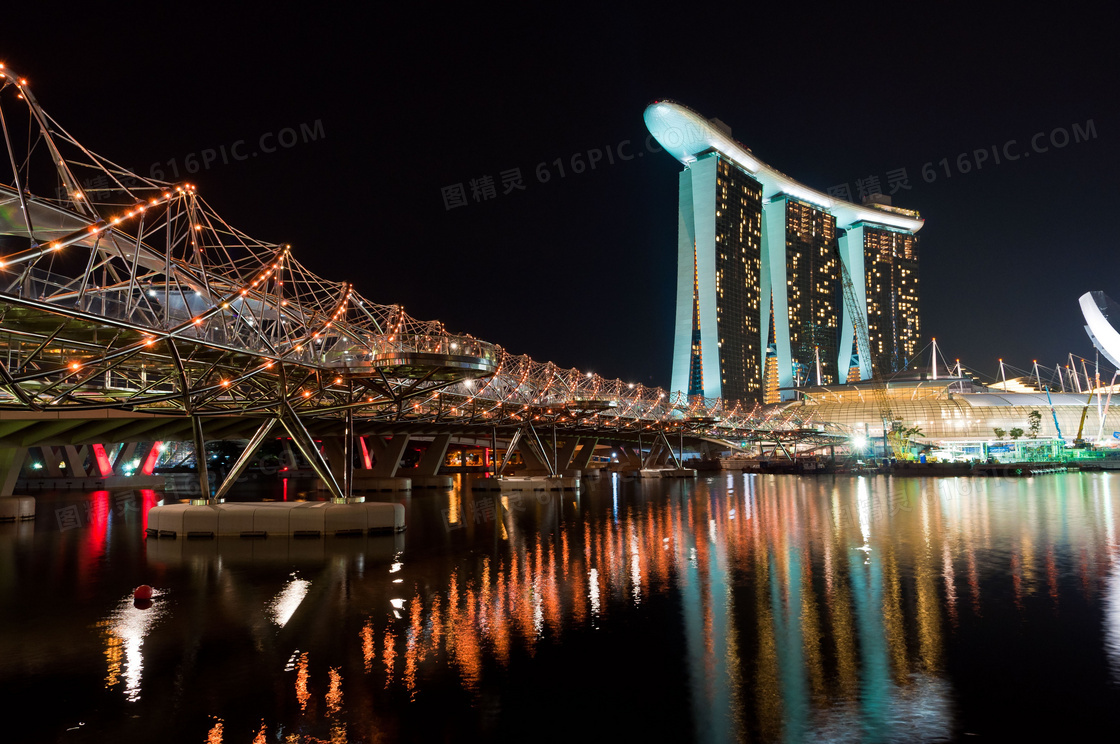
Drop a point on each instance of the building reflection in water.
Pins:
(804, 617)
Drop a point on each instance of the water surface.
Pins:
(738, 607)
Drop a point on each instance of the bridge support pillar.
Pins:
(339, 452)
(664, 456)
(708, 450)
(200, 458)
(433, 456)
(564, 454)
(126, 455)
(633, 460)
(334, 449)
(11, 462)
(245, 458)
(660, 453)
(299, 434)
(582, 459)
(76, 460)
(348, 452)
(50, 462)
(388, 454)
(533, 461)
(131, 452)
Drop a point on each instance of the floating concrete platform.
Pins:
(433, 481)
(365, 482)
(525, 483)
(661, 473)
(265, 519)
(17, 508)
(275, 550)
(87, 483)
(538, 483)
(16, 532)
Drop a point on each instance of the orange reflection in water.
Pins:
(302, 694)
(369, 653)
(808, 600)
(388, 654)
(334, 692)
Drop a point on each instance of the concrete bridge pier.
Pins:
(427, 470)
(51, 462)
(656, 457)
(536, 461)
(132, 452)
(387, 460)
(85, 467)
(631, 460)
(581, 460)
(11, 463)
(564, 456)
(76, 458)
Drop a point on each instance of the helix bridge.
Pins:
(129, 306)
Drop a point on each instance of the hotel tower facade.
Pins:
(760, 304)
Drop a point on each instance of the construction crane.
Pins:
(1054, 414)
(863, 347)
(1078, 441)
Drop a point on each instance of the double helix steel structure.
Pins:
(122, 292)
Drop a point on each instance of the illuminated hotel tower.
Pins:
(893, 320)
(721, 210)
(757, 270)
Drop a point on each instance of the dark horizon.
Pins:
(580, 268)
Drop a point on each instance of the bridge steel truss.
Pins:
(123, 292)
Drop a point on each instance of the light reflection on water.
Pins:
(770, 608)
(123, 633)
(288, 601)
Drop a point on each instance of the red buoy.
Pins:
(142, 592)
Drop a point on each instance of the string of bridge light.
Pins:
(197, 321)
(543, 390)
(100, 226)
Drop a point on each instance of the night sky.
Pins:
(581, 269)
